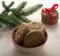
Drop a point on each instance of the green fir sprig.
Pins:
(31, 10)
(18, 15)
(7, 8)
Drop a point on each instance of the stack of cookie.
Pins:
(30, 35)
(46, 17)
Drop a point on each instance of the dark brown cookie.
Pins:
(33, 38)
(20, 33)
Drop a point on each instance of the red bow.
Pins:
(46, 10)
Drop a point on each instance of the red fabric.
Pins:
(46, 10)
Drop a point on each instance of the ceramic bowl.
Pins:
(25, 49)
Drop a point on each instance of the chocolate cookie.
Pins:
(33, 38)
(20, 33)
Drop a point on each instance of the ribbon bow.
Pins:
(46, 10)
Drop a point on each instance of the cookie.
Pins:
(36, 26)
(20, 33)
(46, 17)
(33, 38)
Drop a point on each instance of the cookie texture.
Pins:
(20, 33)
(36, 26)
(30, 34)
(46, 17)
(33, 38)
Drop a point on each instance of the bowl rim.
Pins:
(12, 38)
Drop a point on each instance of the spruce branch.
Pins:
(17, 11)
(21, 6)
(25, 19)
(18, 15)
(22, 18)
(7, 8)
(4, 5)
(15, 19)
(31, 10)
(10, 20)
(7, 21)
(11, 4)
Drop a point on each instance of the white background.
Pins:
(52, 47)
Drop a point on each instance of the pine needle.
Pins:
(31, 10)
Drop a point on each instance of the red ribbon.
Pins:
(46, 10)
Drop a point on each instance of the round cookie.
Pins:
(20, 33)
(36, 26)
(33, 38)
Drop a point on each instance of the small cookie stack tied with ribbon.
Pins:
(50, 16)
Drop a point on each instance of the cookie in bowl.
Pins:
(33, 38)
(29, 37)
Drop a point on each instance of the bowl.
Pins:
(26, 49)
